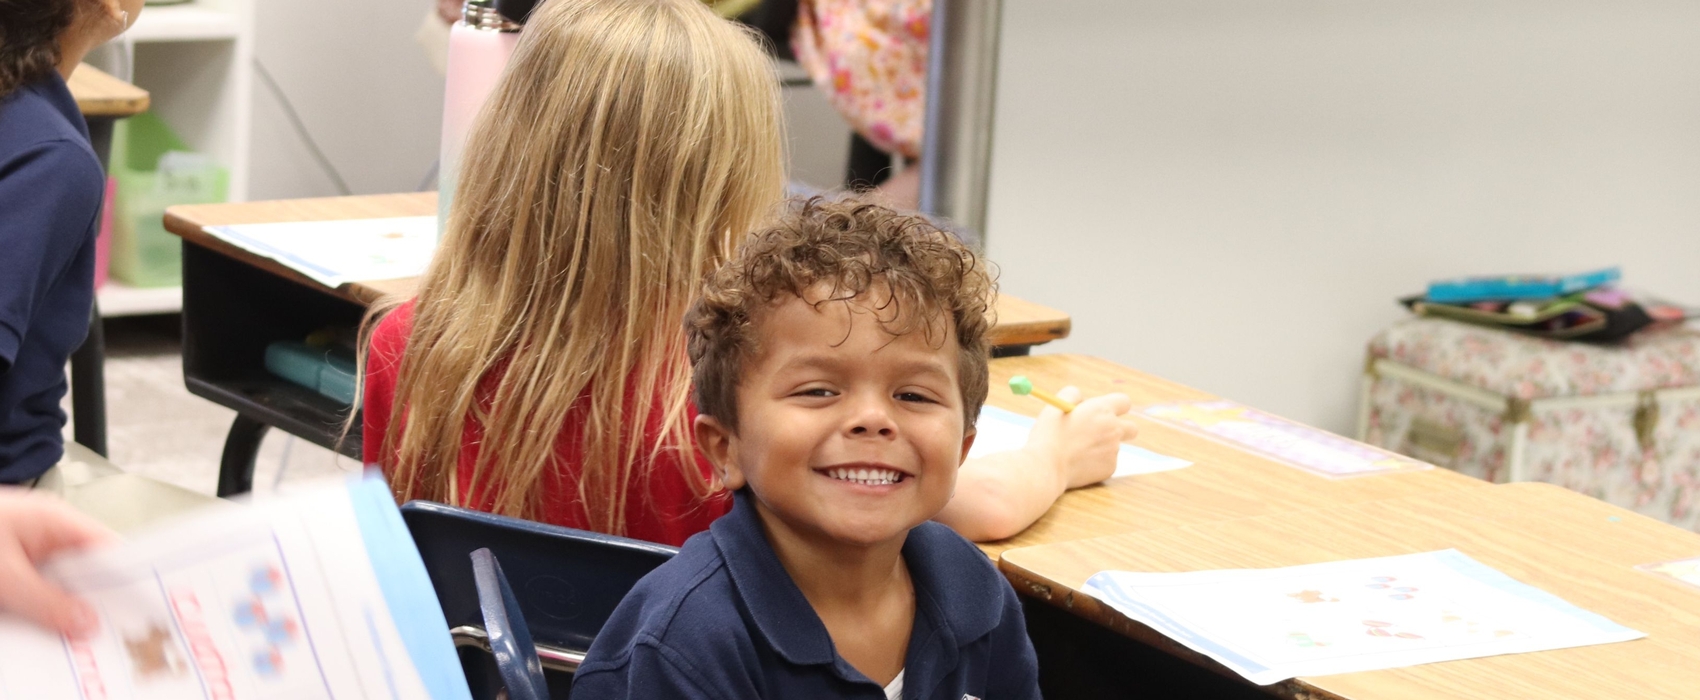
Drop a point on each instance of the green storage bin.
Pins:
(155, 170)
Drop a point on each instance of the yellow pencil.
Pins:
(1023, 386)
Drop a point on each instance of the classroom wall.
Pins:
(1230, 193)
(366, 92)
(362, 87)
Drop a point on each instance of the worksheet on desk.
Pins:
(1684, 570)
(1269, 625)
(998, 430)
(1316, 451)
(347, 250)
(320, 595)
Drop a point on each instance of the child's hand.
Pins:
(1083, 443)
(33, 528)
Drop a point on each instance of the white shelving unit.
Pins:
(198, 21)
(119, 299)
(196, 61)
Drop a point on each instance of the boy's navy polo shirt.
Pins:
(51, 186)
(723, 620)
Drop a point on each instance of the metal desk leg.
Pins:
(241, 447)
(88, 388)
(88, 363)
(100, 138)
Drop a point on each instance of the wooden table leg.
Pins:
(241, 448)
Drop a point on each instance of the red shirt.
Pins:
(660, 506)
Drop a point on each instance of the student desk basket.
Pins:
(508, 585)
(1619, 422)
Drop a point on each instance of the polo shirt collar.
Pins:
(775, 602)
(953, 606)
(52, 88)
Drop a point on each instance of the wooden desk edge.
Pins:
(193, 233)
(1033, 323)
(1031, 585)
(1031, 332)
(115, 97)
(1064, 596)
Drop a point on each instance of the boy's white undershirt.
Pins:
(894, 689)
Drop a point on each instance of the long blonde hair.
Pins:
(626, 147)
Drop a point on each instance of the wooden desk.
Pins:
(1223, 483)
(98, 94)
(1019, 323)
(103, 100)
(1570, 545)
(235, 303)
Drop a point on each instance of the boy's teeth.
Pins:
(867, 477)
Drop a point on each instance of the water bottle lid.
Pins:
(515, 10)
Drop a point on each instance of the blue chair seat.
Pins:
(566, 583)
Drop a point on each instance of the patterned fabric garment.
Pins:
(870, 58)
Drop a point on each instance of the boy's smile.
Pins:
(846, 431)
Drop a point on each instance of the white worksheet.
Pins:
(1316, 451)
(1348, 616)
(998, 430)
(316, 595)
(346, 250)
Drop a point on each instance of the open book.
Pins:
(316, 595)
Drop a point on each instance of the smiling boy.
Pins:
(839, 362)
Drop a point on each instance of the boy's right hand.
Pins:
(33, 528)
(1083, 444)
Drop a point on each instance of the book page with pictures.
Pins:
(283, 600)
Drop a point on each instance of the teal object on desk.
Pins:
(328, 371)
(1516, 287)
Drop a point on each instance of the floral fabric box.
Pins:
(1617, 422)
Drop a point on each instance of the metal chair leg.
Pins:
(241, 448)
(88, 388)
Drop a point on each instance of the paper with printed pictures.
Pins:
(316, 596)
(1316, 451)
(1269, 625)
(1684, 570)
(346, 250)
(998, 430)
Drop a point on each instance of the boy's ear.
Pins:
(967, 444)
(715, 441)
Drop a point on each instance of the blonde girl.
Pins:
(541, 370)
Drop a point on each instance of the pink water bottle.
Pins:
(479, 47)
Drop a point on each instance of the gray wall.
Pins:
(1230, 193)
(367, 94)
(362, 87)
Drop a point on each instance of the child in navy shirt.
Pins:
(839, 363)
(51, 186)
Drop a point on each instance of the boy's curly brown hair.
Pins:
(856, 247)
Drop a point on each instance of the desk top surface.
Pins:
(101, 95)
(1224, 482)
(1578, 548)
(1019, 322)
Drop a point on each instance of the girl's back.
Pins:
(541, 370)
